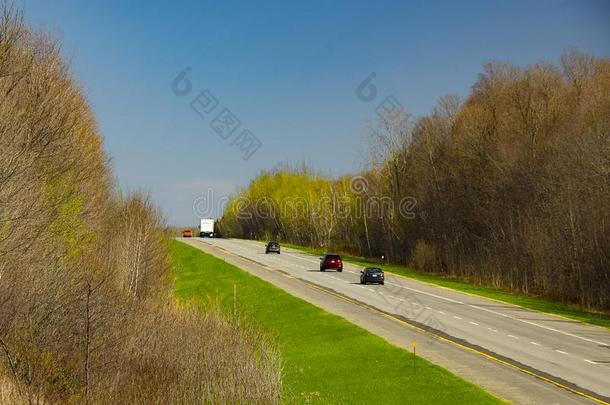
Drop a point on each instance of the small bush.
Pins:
(424, 256)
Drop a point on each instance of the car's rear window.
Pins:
(333, 257)
(374, 270)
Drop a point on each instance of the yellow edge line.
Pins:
(489, 356)
(471, 349)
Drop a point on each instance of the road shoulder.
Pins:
(502, 380)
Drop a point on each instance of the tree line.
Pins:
(509, 187)
(86, 308)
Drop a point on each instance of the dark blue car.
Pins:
(372, 275)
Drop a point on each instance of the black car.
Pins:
(272, 246)
(371, 275)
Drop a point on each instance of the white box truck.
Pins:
(206, 228)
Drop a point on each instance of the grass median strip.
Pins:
(326, 359)
(529, 302)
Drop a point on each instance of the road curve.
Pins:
(542, 358)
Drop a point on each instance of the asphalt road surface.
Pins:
(521, 355)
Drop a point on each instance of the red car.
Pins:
(331, 261)
(187, 233)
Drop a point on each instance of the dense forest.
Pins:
(86, 308)
(509, 187)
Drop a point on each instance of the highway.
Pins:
(521, 355)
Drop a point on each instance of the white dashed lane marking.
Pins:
(422, 291)
(400, 285)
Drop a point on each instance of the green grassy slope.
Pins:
(326, 358)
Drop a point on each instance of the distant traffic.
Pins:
(332, 261)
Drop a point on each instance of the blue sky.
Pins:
(288, 72)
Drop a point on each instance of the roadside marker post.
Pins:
(436, 335)
(414, 344)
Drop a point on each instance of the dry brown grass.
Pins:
(9, 393)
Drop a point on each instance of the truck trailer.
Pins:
(206, 228)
